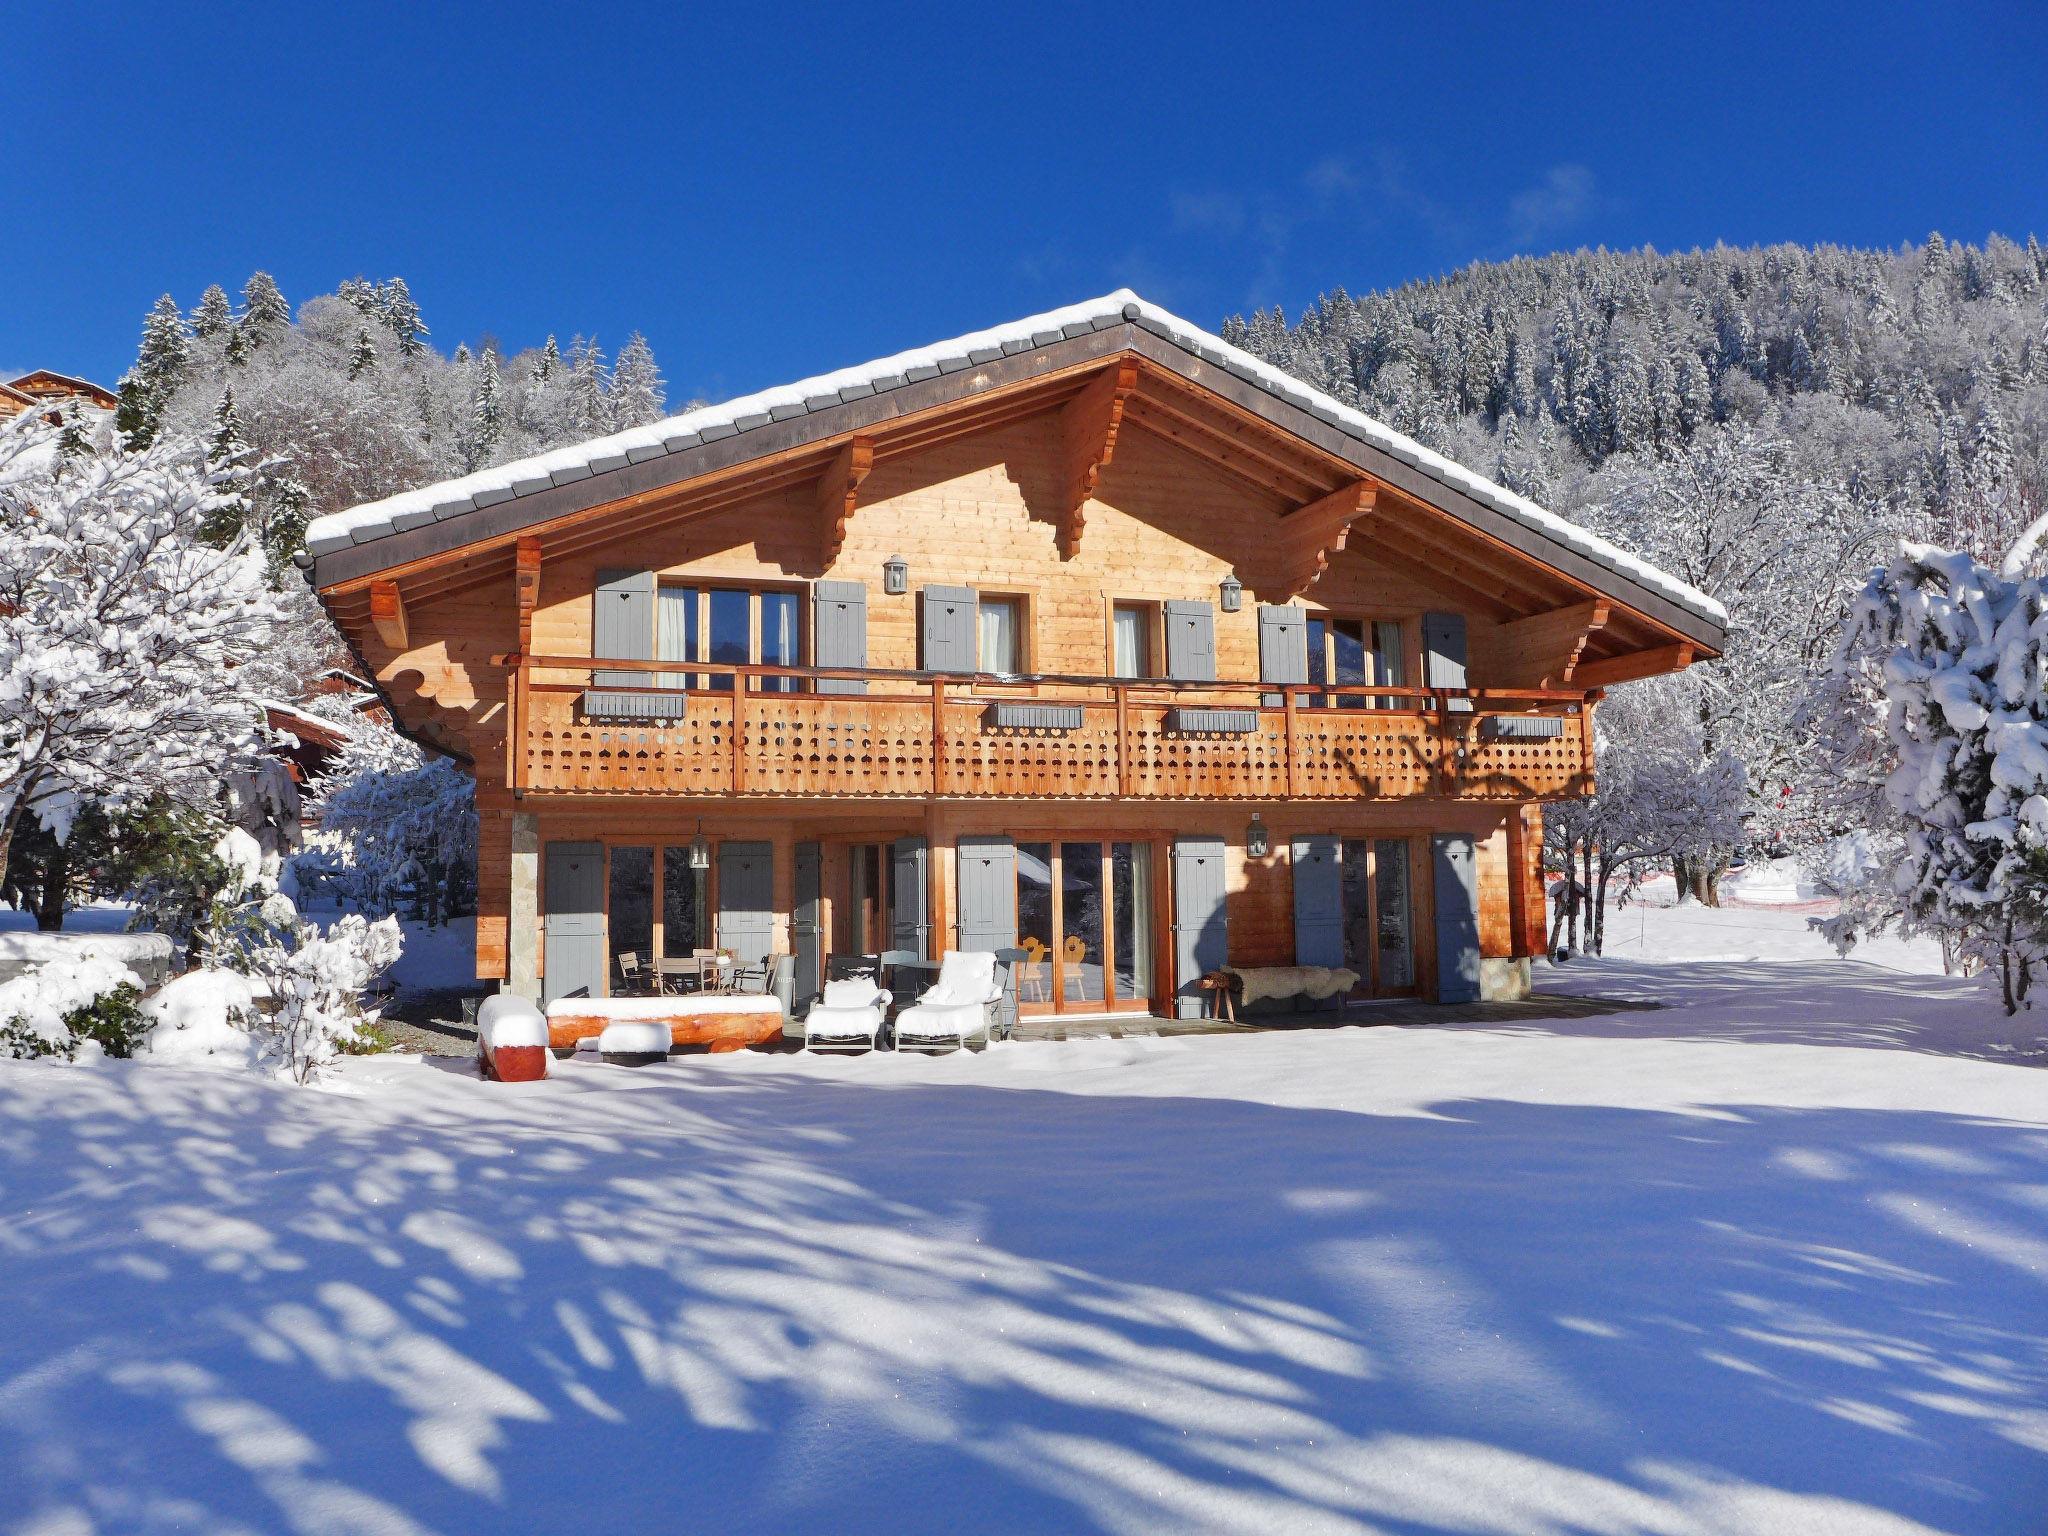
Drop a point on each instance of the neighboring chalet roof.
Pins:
(492, 503)
(14, 401)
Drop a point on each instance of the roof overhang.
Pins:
(428, 536)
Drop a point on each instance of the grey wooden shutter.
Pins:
(985, 871)
(1457, 918)
(910, 910)
(575, 958)
(805, 939)
(1190, 641)
(1443, 654)
(948, 630)
(1318, 901)
(1283, 648)
(622, 627)
(1201, 934)
(746, 900)
(839, 632)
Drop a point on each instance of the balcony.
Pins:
(767, 731)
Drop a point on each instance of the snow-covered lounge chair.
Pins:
(960, 1006)
(848, 1016)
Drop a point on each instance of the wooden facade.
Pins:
(1180, 625)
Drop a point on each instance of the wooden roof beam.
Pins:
(839, 494)
(526, 586)
(1088, 430)
(1654, 662)
(1228, 435)
(387, 614)
(1545, 647)
(1439, 564)
(1311, 534)
(1288, 486)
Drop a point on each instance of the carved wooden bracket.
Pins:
(1544, 649)
(387, 613)
(839, 493)
(1089, 424)
(526, 588)
(1626, 669)
(1310, 535)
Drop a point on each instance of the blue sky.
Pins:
(769, 192)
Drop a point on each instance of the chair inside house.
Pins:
(635, 979)
(960, 1006)
(1034, 983)
(848, 1016)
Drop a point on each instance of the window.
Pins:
(1001, 635)
(737, 626)
(1355, 651)
(1130, 640)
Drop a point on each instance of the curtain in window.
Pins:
(998, 636)
(778, 638)
(1387, 665)
(1128, 630)
(675, 633)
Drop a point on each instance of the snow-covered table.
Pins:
(722, 1023)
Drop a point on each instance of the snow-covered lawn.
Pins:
(1771, 1259)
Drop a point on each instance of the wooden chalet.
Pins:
(46, 388)
(1089, 634)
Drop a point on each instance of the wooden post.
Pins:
(938, 735)
(739, 726)
(1287, 705)
(522, 716)
(1123, 741)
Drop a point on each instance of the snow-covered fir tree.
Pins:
(147, 389)
(212, 315)
(588, 398)
(264, 310)
(637, 396)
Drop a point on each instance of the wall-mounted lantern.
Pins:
(700, 849)
(1255, 840)
(1233, 593)
(895, 576)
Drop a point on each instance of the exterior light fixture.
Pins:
(1255, 840)
(895, 576)
(1233, 593)
(700, 849)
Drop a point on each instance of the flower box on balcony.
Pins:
(1034, 717)
(1212, 722)
(1520, 728)
(609, 704)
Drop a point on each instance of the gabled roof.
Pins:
(352, 544)
(45, 383)
(13, 401)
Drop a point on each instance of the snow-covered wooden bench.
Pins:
(720, 1023)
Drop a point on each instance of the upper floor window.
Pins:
(1130, 640)
(1356, 651)
(1000, 640)
(737, 626)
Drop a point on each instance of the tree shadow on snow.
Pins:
(705, 1300)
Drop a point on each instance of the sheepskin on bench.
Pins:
(1280, 982)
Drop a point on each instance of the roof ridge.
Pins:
(595, 456)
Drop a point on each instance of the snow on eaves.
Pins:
(579, 461)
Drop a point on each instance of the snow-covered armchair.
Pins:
(960, 1006)
(848, 1016)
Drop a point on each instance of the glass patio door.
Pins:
(1085, 921)
(1379, 915)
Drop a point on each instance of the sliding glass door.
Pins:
(1379, 915)
(1085, 921)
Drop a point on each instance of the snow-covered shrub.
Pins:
(204, 1018)
(73, 1008)
(314, 983)
(406, 827)
(1958, 654)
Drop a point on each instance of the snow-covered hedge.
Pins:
(77, 1009)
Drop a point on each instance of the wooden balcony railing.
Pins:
(914, 735)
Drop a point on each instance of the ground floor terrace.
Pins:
(1108, 910)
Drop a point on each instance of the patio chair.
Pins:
(960, 1006)
(636, 980)
(848, 1017)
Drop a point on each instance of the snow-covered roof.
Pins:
(580, 461)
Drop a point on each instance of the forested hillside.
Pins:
(1767, 423)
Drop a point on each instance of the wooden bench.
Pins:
(719, 1023)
